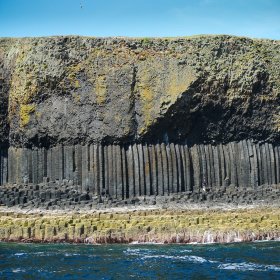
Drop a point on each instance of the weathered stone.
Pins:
(84, 119)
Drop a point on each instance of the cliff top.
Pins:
(145, 37)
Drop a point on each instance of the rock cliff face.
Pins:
(78, 90)
(131, 117)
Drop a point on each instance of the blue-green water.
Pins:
(65, 261)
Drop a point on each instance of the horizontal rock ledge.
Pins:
(155, 225)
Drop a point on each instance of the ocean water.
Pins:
(259, 260)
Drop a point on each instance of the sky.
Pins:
(140, 18)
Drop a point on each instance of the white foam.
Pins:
(20, 254)
(17, 270)
(196, 259)
(262, 241)
(186, 251)
(193, 259)
(70, 255)
(148, 254)
(248, 267)
(45, 254)
(137, 252)
(145, 243)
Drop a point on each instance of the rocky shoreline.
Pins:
(60, 212)
(64, 196)
(193, 223)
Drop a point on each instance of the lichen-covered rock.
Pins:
(150, 225)
(82, 90)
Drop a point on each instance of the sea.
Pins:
(255, 260)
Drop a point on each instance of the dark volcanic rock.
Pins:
(78, 90)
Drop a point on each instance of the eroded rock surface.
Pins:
(149, 225)
(80, 90)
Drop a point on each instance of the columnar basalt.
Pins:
(150, 225)
(90, 175)
(126, 118)
(141, 169)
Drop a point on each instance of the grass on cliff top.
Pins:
(196, 36)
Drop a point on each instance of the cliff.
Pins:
(151, 126)
(79, 90)
(126, 117)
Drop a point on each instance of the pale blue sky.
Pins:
(140, 18)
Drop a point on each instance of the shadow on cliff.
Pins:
(201, 116)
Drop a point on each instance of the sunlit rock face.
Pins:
(78, 90)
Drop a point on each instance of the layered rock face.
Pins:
(132, 117)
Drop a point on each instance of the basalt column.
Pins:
(144, 169)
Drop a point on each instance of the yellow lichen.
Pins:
(147, 99)
(100, 89)
(72, 74)
(277, 122)
(177, 83)
(159, 86)
(77, 97)
(77, 84)
(24, 87)
(38, 115)
(25, 111)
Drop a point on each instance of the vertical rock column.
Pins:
(196, 164)
(3, 166)
(253, 164)
(154, 172)
(137, 178)
(173, 162)
(35, 165)
(90, 168)
(222, 164)
(277, 164)
(216, 166)
(189, 179)
(119, 182)
(159, 170)
(124, 173)
(180, 172)
(78, 165)
(272, 164)
(130, 172)
(95, 170)
(85, 167)
(11, 166)
(41, 157)
(147, 170)
(69, 162)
